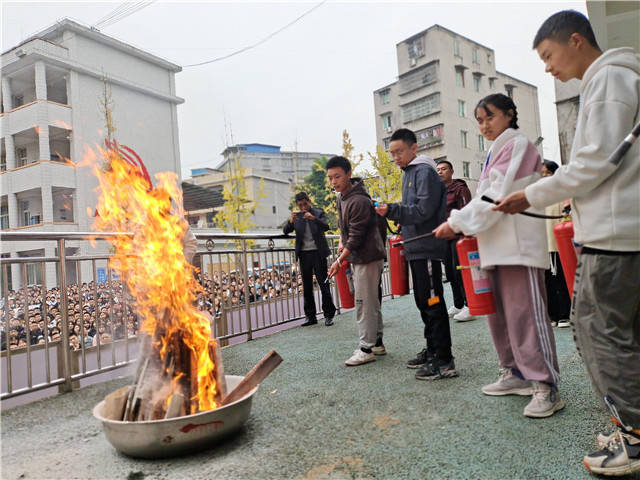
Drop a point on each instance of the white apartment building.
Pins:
(293, 166)
(52, 84)
(615, 24)
(441, 77)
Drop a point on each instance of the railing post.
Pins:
(64, 341)
(247, 305)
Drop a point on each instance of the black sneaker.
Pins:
(621, 456)
(435, 371)
(423, 358)
(309, 322)
(328, 321)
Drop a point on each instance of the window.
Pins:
(476, 83)
(465, 170)
(421, 108)
(266, 164)
(430, 137)
(456, 47)
(34, 220)
(34, 274)
(26, 214)
(273, 209)
(509, 90)
(21, 157)
(461, 108)
(492, 82)
(481, 146)
(460, 76)
(386, 142)
(463, 139)
(386, 122)
(3, 162)
(474, 55)
(385, 96)
(17, 100)
(419, 77)
(4, 217)
(489, 58)
(415, 48)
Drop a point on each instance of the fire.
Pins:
(154, 267)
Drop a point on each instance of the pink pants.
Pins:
(520, 327)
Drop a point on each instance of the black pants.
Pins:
(453, 274)
(312, 262)
(558, 300)
(435, 317)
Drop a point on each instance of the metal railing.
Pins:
(260, 270)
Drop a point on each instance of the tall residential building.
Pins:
(293, 166)
(615, 24)
(52, 87)
(441, 77)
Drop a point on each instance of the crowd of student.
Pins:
(104, 312)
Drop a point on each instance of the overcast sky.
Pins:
(312, 80)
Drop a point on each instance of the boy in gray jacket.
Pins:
(423, 208)
(605, 201)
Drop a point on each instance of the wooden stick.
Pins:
(115, 403)
(221, 382)
(176, 405)
(258, 373)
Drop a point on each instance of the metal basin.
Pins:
(177, 436)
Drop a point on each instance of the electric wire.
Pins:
(121, 12)
(260, 42)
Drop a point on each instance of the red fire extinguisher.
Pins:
(476, 281)
(344, 278)
(398, 267)
(563, 232)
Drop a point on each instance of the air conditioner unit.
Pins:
(412, 62)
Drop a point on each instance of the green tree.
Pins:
(235, 215)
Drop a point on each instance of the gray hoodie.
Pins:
(605, 199)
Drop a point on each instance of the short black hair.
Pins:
(550, 165)
(339, 161)
(404, 134)
(560, 26)
(301, 196)
(447, 162)
(501, 102)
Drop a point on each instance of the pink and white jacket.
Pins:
(514, 163)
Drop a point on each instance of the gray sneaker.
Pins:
(545, 401)
(508, 384)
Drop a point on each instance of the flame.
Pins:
(153, 264)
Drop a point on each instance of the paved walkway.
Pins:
(314, 418)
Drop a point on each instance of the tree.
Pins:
(106, 108)
(235, 215)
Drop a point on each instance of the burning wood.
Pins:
(180, 370)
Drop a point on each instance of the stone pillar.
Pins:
(7, 100)
(10, 150)
(12, 204)
(47, 203)
(41, 81)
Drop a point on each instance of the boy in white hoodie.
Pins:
(605, 200)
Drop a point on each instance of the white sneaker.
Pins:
(564, 323)
(359, 358)
(545, 401)
(379, 350)
(453, 310)
(464, 315)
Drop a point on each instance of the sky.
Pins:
(307, 83)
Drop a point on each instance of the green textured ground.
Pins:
(314, 418)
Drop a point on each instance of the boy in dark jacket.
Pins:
(422, 209)
(458, 195)
(360, 244)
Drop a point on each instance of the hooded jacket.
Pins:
(605, 199)
(358, 225)
(514, 163)
(423, 208)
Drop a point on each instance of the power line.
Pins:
(122, 11)
(260, 42)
